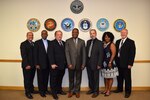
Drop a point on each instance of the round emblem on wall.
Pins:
(33, 25)
(67, 24)
(76, 6)
(50, 24)
(102, 24)
(119, 25)
(85, 25)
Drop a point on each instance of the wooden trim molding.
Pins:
(66, 88)
(18, 61)
(10, 60)
(142, 61)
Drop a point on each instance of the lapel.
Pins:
(124, 44)
(63, 43)
(88, 44)
(28, 43)
(93, 47)
(42, 44)
(118, 43)
(78, 44)
(94, 44)
(57, 43)
(72, 40)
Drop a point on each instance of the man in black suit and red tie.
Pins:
(125, 55)
(42, 63)
(27, 49)
(57, 58)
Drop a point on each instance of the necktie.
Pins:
(75, 41)
(120, 47)
(45, 45)
(121, 43)
(60, 43)
(31, 43)
(90, 49)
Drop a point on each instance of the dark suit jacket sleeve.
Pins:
(84, 54)
(132, 53)
(51, 55)
(24, 55)
(36, 50)
(67, 53)
(100, 56)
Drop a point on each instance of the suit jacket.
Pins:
(40, 54)
(96, 54)
(56, 54)
(127, 53)
(27, 54)
(75, 56)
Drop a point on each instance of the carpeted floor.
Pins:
(19, 95)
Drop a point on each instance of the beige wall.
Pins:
(14, 15)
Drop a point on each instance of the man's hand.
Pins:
(98, 67)
(54, 66)
(28, 67)
(82, 67)
(37, 67)
(70, 66)
(129, 66)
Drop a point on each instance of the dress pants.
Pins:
(124, 74)
(56, 77)
(93, 76)
(43, 76)
(75, 76)
(28, 75)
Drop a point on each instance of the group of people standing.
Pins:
(53, 57)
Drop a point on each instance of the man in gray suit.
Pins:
(76, 58)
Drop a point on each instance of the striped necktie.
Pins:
(120, 47)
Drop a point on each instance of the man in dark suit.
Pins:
(27, 48)
(57, 58)
(76, 58)
(94, 51)
(124, 59)
(42, 63)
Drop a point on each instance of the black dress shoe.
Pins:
(127, 95)
(89, 92)
(34, 92)
(47, 92)
(29, 96)
(117, 91)
(55, 96)
(62, 93)
(95, 95)
(42, 95)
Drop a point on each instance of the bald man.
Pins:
(42, 63)
(76, 58)
(27, 48)
(124, 59)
